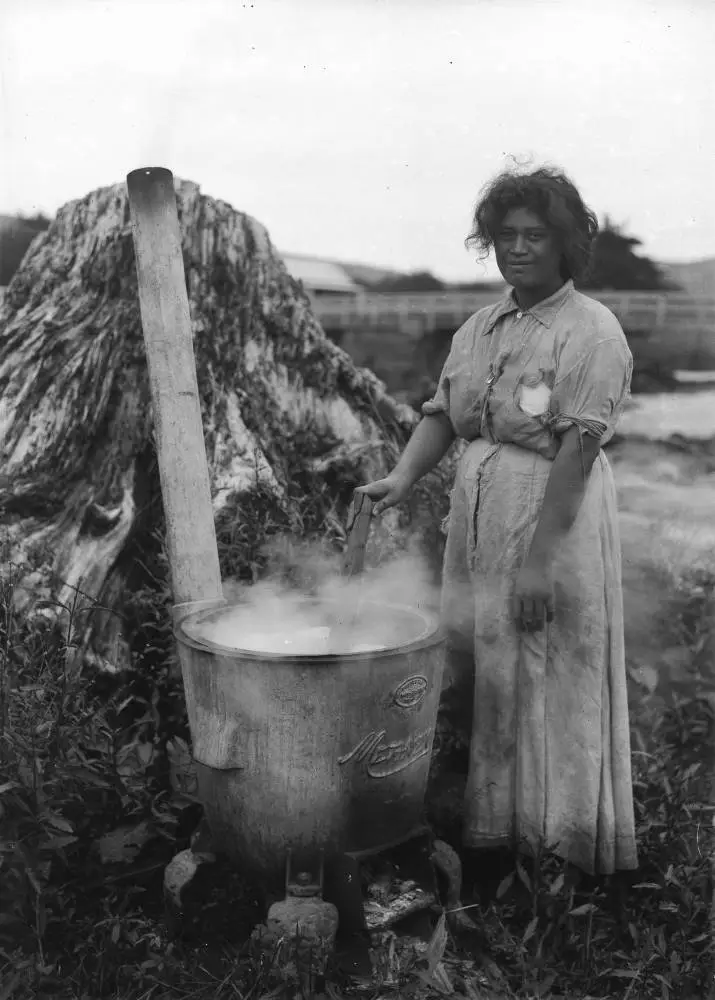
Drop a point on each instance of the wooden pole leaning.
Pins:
(181, 451)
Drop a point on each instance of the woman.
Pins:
(532, 575)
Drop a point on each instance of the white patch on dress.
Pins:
(534, 400)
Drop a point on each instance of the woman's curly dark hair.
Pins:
(548, 193)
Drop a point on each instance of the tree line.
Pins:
(16, 235)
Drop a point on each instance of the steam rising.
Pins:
(307, 607)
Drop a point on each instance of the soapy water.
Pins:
(236, 629)
(384, 608)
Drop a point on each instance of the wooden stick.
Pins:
(181, 451)
(358, 527)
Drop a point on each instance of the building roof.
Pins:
(369, 274)
(318, 274)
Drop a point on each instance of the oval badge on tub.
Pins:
(411, 692)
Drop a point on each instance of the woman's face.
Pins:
(528, 256)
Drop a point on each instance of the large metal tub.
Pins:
(309, 752)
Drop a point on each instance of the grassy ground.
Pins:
(93, 805)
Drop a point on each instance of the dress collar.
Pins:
(545, 311)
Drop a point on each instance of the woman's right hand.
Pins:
(386, 492)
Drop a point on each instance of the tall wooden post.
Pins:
(183, 469)
(164, 303)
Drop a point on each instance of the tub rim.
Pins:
(433, 638)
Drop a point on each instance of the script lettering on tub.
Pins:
(382, 758)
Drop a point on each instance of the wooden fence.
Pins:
(417, 314)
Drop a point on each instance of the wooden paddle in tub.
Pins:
(358, 530)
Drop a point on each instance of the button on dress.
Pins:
(550, 743)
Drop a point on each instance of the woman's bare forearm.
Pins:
(564, 494)
(426, 448)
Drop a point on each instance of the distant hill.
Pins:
(696, 277)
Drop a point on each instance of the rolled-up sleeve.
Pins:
(441, 402)
(591, 392)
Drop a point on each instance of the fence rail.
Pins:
(428, 312)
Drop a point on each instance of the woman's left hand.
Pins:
(533, 600)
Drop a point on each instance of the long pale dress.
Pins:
(550, 746)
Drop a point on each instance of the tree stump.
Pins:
(291, 425)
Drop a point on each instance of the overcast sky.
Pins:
(364, 129)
